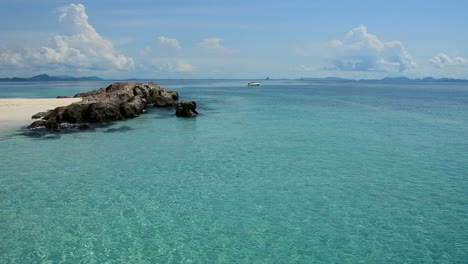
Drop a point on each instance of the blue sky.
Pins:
(234, 39)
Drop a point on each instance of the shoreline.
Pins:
(19, 111)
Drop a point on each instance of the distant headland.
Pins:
(48, 78)
(386, 79)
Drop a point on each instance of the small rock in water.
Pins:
(186, 109)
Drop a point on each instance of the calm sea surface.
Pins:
(288, 172)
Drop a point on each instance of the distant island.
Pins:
(386, 79)
(48, 78)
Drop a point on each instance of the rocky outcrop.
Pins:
(118, 101)
(186, 109)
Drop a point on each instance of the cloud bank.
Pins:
(81, 48)
(362, 51)
(442, 60)
(9, 57)
(165, 57)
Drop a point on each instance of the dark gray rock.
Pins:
(186, 109)
(103, 112)
(74, 113)
(164, 98)
(118, 101)
(40, 115)
(133, 107)
(85, 127)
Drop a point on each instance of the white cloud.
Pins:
(9, 57)
(442, 60)
(168, 47)
(214, 45)
(167, 57)
(84, 47)
(172, 66)
(169, 42)
(159, 61)
(81, 48)
(184, 67)
(362, 51)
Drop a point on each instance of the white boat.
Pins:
(253, 84)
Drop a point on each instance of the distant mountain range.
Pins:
(386, 79)
(425, 79)
(47, 78)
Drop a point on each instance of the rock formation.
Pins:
(119, 101)
(186, 109)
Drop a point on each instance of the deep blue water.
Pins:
(288, 172)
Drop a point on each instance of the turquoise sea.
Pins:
(288, 172)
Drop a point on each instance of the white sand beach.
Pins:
(21, 110)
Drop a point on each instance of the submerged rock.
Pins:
(118, 101)
(85, 127)
(51, 136)
(119, 129)
(33, 133)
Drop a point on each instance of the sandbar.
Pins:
(21, 110)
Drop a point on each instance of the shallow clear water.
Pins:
(288, 172)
